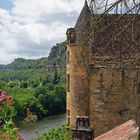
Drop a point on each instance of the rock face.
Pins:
(57, 57)
(55, 52)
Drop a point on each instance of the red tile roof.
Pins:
(126, 131)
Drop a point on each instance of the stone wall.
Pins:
(113, 99)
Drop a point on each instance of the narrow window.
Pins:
(68, 82)
(138, 87)
(68, 120)
(68, 112)
(68, 57)
(68, 117)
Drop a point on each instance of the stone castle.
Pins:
(103, 75)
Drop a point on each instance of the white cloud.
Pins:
(33, 26)
(40, 7)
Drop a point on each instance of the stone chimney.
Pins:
(82, 131)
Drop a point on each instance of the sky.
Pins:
(29, 28)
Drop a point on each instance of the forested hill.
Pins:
(55, 60)
(38, 85)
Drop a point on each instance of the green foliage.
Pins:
(61, 133)
(52, 98)
(42, 101)
(56, 78)
(7, 112)
(33, 86)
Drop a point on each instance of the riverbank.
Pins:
(31, 131)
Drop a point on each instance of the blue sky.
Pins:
(6, 4)
(29, 28)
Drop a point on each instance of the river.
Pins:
(31, 131)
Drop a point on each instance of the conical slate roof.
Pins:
(83, 24)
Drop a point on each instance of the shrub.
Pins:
(8, 131)
(61, 133)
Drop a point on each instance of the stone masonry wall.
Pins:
(113, 99)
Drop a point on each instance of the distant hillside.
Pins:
(2, 66)
(55, 60)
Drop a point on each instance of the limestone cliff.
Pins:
(57, 57)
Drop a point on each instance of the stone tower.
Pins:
(77, 74)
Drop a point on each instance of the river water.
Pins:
(31, 131)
